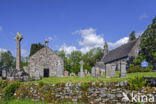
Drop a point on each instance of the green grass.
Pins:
(17, 101)
(28, 101)
(76, 79)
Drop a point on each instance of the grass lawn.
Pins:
(27, 101)
(76, 79)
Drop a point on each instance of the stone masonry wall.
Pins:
(44, 59)
(87, 93)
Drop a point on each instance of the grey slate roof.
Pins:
(119, 52)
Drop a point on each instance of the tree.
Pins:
(132, 36)
(7, 61)
(35, 47)
(148, 43)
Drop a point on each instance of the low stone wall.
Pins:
(85, 93)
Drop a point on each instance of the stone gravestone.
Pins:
(72, 74)
(81, 74)
(86, 72)
(4, 74)
(113, 69)
(66, 73)
(93, 71)
(37, 75)
(108, 71)
(59, 72)
(97, 73)
(123, 70)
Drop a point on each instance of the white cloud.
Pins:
(2, 50)
(143, 16)
(90, 39)
(1, 28)
(67, 49)
(49, 38)
(24, 52)
(118, 43)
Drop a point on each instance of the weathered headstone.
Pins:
(81, 74)
(72, 74)
(108, 71)
(93, 71)
(113, 69)
(37, 75)
(123, 70)
(86, 72)
(4, 74)
(97, 73)
(66, 73)
(59, 72)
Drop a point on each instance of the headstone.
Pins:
(123, 70)
(37, 75)
(113, 69)
(81, 74)
(93, 71)
(4, 74)
(59, 72)
(66, 73)
(86, 72)
(72, 74)
(108, 71)
(97, 73)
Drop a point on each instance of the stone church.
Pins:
(45, 63)
(116, 57)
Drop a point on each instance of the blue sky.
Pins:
(72, 24)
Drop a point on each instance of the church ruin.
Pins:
(45, 63)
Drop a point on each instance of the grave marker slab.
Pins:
(123, 70)
(108, 71)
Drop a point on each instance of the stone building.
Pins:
(116, 57)
(45, 63)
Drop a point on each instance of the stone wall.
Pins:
(84, 93)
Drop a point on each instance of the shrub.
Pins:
(136, 83)
(3, 84)
(138, 68)
(84, 85)
(10, 90)
(41, 84)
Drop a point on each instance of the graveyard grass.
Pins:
(87, 79)
(28, 101)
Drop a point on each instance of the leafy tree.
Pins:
(132, 36)
(7, 61)
(75, 58)
(35, 47)
(148, 43)
(24, 62)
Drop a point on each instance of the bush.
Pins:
(3, 84)
(41, 84)
(138, 68)
(10, 90)
(84, 85)
(136, 83)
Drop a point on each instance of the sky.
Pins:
(71, 25)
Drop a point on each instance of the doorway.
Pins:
(46, 72)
